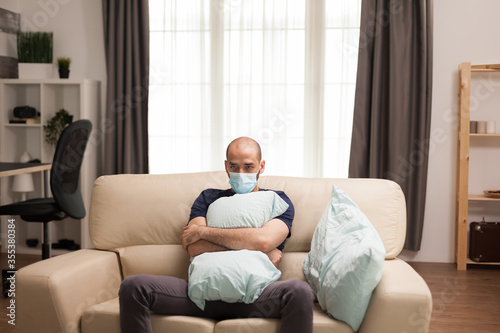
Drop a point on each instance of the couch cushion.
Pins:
(291, 266)
(128, 210)
(105, 317)
(170, 260)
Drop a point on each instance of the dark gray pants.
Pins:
(291, 300)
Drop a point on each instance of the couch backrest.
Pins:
(131, 210)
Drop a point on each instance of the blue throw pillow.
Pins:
(346, 259)
(235, 276)
(250, 210)
(230, 276)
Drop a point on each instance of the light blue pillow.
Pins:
(250, 210)
(230, 276)
(346, 259)
(235, 276)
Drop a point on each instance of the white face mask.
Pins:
(243, 182)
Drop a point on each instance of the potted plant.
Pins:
(34, 53)
(55, 125)
(63, 64)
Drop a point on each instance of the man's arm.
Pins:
(201, 246)
(264, 239)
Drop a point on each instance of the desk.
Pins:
(12, 169)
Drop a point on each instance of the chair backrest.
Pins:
(66, 165)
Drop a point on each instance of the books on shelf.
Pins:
(27, 121)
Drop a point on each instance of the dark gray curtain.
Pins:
(126, 36)
(392, 109)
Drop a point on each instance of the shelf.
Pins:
(470, 262)
(46, 81)
(480, 197)
(464, 199)
(23, 125)
(485, 135)
(485, 68)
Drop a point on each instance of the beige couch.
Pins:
(135, 225)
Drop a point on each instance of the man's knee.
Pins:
(300, 290)
(304, 289)
(131, 286)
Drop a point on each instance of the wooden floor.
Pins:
(463, 301)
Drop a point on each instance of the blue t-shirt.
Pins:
(208, 196)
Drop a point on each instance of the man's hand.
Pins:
(190, 235)
(275, 257)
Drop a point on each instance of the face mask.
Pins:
(242, 182)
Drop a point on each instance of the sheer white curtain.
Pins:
(280, 71)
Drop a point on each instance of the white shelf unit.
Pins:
(82, 99)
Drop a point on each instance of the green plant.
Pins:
(55, 125)
(34, 47)
(63, 63)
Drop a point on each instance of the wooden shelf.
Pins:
(463, 139)
(470, 262)
(481, 197)
(485, 135)
(485, 68)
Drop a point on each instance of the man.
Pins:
(291, 300)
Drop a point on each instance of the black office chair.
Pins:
(64, 183)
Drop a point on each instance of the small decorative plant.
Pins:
(55, 126)
(63, 64)
(34, 47)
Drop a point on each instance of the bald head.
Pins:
(244, 144)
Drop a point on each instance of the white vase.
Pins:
(35, 71)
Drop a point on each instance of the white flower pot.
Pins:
(35, 71)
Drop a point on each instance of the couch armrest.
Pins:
(402, 302)
(51, 295)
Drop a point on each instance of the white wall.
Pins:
(78, 32)
(464, 31)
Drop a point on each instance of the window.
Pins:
(280, 71)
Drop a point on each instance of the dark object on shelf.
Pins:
(484, 245)
(25, 112)
(32, 242)
(27, 121)
(67, 244)
(6, 274)
(64, 183)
